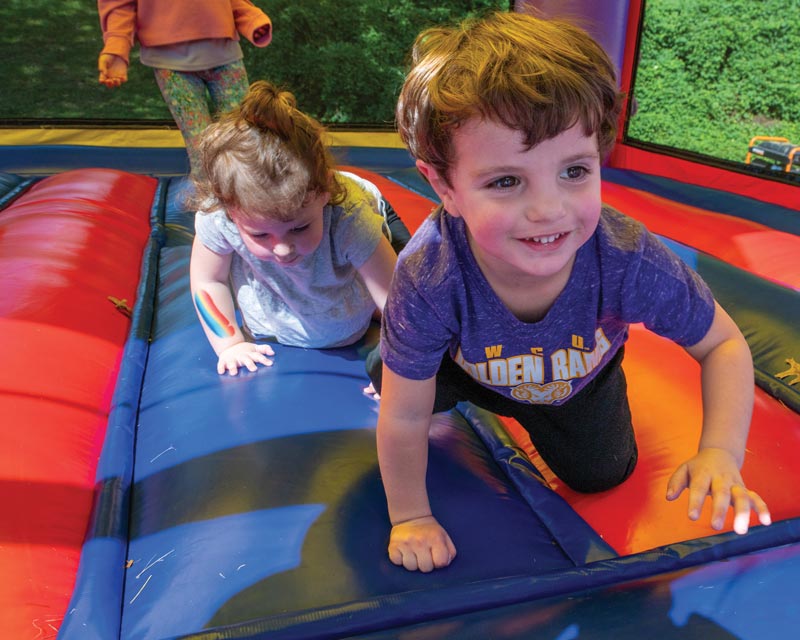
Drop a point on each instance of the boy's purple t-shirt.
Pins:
(440, 300)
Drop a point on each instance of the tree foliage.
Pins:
(714, 73)
(345, 59)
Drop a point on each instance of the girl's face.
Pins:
(527, 211)
(284, 243)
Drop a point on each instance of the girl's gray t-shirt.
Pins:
(319, 302)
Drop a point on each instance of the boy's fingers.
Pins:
(741, 522)
(395, 556)
(722, 499)
(451, 548)
(761, 509)
(423, 558)
(698, 490)
(678, 481)
(410, 560)
(442, 556)
(742, 500)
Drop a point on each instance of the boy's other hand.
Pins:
(113, 70)
(421, 544)
(714, 471)
(244, 354)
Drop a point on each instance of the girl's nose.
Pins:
(282, 249)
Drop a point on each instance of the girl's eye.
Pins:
(301, 229)
(506, 182)
(575, 173)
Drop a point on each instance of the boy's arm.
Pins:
(377, 272)
(208, 274)
(417, 540)
(727, 387)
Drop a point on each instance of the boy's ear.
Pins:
(439, 185)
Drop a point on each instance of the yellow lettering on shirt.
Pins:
(494, 351)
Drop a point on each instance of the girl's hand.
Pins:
(244, 354)
(714, 472)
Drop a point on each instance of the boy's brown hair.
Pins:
(532, 75)
(266, 158)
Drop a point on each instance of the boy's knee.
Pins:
(605, 475)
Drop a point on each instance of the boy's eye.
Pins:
(575, 173)
(300, 229)
(506, 182)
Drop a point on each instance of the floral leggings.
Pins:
(194, 98)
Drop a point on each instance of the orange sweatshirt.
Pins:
(161, 22)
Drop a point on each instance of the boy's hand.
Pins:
(113, 70)
(421, 544)
(244, 354)
(714, 472)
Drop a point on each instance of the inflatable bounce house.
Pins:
(146, 497)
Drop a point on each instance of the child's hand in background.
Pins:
(113, 70)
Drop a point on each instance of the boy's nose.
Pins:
(543, 208)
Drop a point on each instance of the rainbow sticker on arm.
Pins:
(212, 316)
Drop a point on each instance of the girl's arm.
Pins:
(377, 272)
(727, 387)
(417, 541)
(208, 274)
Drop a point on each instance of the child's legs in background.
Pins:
(187, 94)
(226, 85)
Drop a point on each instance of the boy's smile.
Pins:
(527, 211)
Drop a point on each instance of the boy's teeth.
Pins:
(546, 239)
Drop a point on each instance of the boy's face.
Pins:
(527, 211)
(284, 243)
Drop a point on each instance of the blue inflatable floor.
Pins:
(255, 508)
(259, 496)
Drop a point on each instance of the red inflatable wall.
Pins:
(63, 325)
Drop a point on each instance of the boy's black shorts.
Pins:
(588, 442)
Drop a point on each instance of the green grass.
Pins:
(49, 50)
